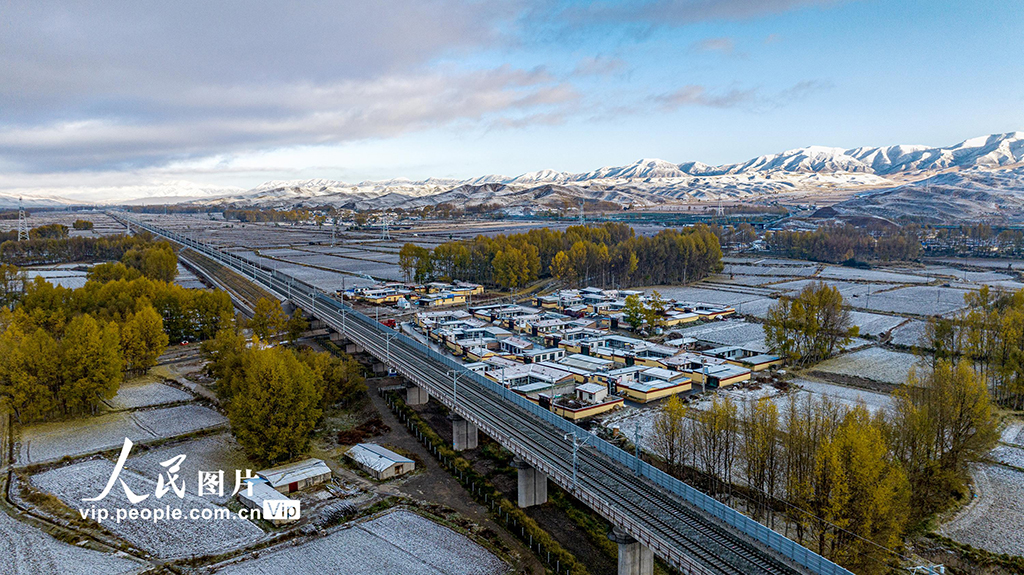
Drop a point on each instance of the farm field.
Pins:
(992, 520)
(873, 363)
(29, 551)
(52, 441)
(145, 392)
(398, 542)
(165, 539)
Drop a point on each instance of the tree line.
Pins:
(988, 334)
(267, 215)
(839, 480)
(607, 254)
(50, 244)
(846, 243)
(63, 351)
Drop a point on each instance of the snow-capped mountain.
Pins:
(652, 181)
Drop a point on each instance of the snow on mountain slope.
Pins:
(976, 194)
(813, 168)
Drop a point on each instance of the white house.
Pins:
(296, 476)
(379, 462)
(261, 491)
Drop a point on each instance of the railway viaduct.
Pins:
(653, 513)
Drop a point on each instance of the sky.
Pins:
(107, 100)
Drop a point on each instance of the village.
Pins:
(573, 351)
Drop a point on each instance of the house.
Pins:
(255, 492)
(576, 407)
(536, 355)
(379, 462)
(296, 476)
(592, 392)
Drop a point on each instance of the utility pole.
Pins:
(455, 387)
(638, 437)
(576, 445)
(23, 223)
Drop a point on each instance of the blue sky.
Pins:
(113, 99)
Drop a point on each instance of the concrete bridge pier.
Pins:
(533, 484)
(415, 395)
(634, 557)
(464, 434)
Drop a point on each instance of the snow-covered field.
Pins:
(165, 539)
(1012, 456)
(848, 396)
(845, 273)
(916, 300)
(146, 392)
(1013, 433)
(993, 520)
(29, 551)
(51, 441)
(873, 323)
(398, 542)
(873, 363)
(729, 332)
(909, 334)
(768, 270)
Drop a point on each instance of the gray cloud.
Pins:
(119, 83)
(752, 99)
(682, 12)
(723, 45)
(599, 66)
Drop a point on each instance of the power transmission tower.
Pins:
(720, 211)
(22, 222)
(583, 217)
(385, 234)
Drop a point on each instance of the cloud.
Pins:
(752, 99)
(682, 12)
(723, 45)
(101, 84)
(599, 66)
(696, 95)
(215, 119)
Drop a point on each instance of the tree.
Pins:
(142, 340)
(670, 437)
(341, 378)
(810, 327)
(268, 319)
(91, 364)
(634, 312)
(12, 285)
(157, 261)
(655, 312)
(296, 325)
(276, 407)
(28, 369)
(940, 424)
(82, 224)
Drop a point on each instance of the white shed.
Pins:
(295, 476)
(379, 462)
(261, 491)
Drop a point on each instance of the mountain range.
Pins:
(650, 182)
